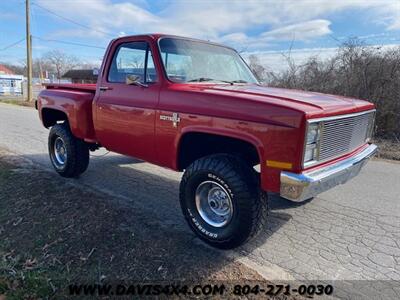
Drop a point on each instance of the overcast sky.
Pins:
(262, 26)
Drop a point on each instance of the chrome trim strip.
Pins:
(300, 187)
(341, 116)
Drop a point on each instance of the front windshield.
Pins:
(196, 61)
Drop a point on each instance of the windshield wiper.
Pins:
(239, 81)
(203, 79)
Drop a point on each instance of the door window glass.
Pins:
(133, 59)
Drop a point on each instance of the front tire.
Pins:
(222, 202)
(68, 154)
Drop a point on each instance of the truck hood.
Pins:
(313, 104)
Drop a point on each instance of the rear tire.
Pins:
(222, 202)
(68, 154)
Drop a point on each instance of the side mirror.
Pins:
(96, 71)
(134, 80)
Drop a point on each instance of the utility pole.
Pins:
(28, 51)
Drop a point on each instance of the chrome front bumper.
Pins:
(299, 187)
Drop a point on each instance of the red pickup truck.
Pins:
(195, 106)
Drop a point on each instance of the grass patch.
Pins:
(388, 149)
(17, 101)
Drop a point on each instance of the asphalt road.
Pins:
(348, 234)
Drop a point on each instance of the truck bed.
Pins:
(74, 101)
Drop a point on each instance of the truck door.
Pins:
(125, 108)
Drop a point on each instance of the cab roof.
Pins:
(157, 36)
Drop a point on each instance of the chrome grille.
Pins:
(344, 134)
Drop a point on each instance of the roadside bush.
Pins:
(356, 70)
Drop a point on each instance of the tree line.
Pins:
(54, 63)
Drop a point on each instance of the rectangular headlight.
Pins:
(310, 152)
(370, 129)
(312, 142)
(312, 134)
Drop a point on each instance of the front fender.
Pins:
(246, 137)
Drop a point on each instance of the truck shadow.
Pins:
(277, 202)
(153, 192)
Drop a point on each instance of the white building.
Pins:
(11, 84)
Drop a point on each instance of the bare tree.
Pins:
(60, 61)
(88, 65)
(257, 68)
(41, 66)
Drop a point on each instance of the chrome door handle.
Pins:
(105, 88)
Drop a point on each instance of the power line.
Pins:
(70, 20)
(13, 44)
(67, 42)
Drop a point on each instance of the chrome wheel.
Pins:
(60, 152)
(214, 203)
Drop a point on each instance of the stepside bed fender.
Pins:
(68, 105)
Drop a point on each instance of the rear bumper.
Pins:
(299, 187)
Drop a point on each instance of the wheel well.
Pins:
(196, 145)
(51, 116)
